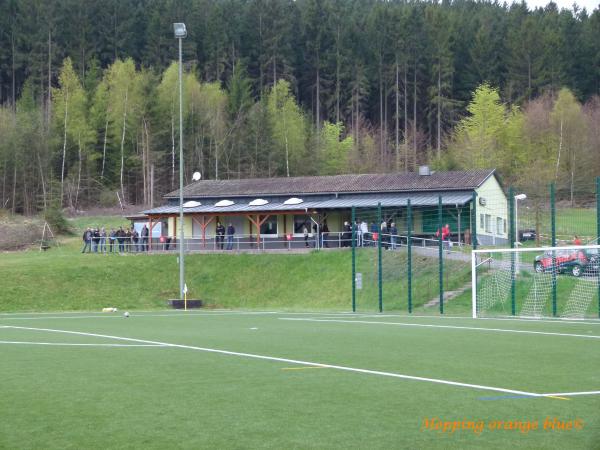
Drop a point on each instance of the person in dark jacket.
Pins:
(87, 238)
(347, 235)
(220, 235)
(95, 239)
(121, 239)
(230, 233)
(325, 234)
(145, 233)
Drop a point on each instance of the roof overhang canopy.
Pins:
(459, 198)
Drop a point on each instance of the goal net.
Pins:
(561, 282)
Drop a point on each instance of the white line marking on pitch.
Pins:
(172, 314)
(117, 316)
(469, 318)
(292, 361)
(569, 394)
(454, 327)
(74, 344)
(218, 312)
(313, 364)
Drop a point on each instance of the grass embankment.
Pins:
(63, 279)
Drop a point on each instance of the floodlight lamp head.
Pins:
(197, 176)
(180, 30)
(520, 196)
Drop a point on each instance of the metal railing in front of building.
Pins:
(250, 242)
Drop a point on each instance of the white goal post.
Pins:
(537, 274)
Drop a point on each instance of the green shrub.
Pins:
(57, 221)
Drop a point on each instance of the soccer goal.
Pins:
(561, 282)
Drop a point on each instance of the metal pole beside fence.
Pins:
(380, 275)
(598, 232)
(409, 253)
(441, 254)
(553, 223)
(353, 260)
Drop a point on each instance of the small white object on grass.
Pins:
(125, 314)
(254, 328)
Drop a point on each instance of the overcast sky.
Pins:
(590, 5)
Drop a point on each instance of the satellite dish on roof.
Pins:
(197, 176)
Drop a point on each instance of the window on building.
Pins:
(269, 227)
(481, 221)
(488, 223)
(300, 222)
(499, 225)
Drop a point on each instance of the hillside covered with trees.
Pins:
(89, 103)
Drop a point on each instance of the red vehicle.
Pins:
(575, 262)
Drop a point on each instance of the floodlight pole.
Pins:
(180, 33)
(517, 243)
(517, 198)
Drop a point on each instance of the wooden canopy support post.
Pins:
(203, 225)
(257, 223)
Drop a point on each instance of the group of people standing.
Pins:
(119, 240)
(369, 235)
(221, 231)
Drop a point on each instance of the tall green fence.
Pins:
(402, 263)
(403, 260)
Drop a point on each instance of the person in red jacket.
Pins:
(445, 233)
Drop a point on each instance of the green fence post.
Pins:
(598, 232)
(409, 251)
(441, 254)
(380, 276)
(474, 221)
(553, 224)
(512, 236)
(353, 260)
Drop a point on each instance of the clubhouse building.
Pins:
(274, 213)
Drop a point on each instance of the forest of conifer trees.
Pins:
(89, 102)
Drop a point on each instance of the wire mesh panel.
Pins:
(538, 282)
(397, 258)
(576, 213)
(574, 209)
(366, 230)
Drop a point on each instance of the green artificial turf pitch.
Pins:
(222, 379)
